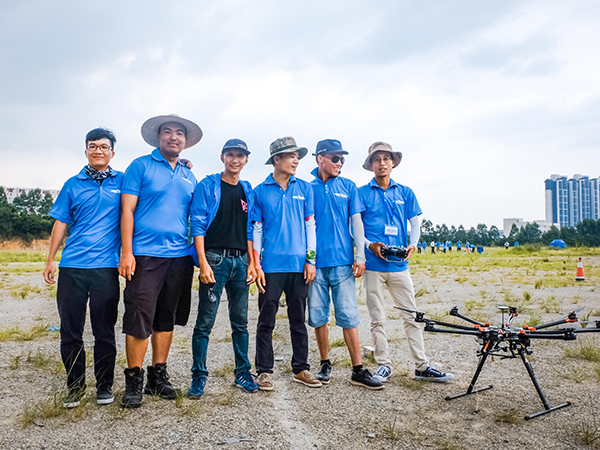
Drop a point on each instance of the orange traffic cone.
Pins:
(579, 276)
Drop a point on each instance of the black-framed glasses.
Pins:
(104, 148)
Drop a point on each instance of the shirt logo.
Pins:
(399, 202)
(298, 197)
(188, 181)
(244, 205)
(115, 191)
(337, 194)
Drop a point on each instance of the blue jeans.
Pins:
(230, 273)
(340, 280)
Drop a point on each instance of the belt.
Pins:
(229, 252)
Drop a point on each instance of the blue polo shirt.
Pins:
(92, 211)
(282, 214)
(335, 203)
(163, 207)
(394, 206)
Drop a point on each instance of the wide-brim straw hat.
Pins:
(381, 147)
(285, 145)
(150, 128)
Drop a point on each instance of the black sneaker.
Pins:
(134, 384)
(104, 395)
(74, 397)
(432, 374)
(158, 382)
(365, 379)
(324, 373)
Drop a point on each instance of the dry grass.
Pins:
(225, 370)
(512, 416)
(390, 432)
(19, 334)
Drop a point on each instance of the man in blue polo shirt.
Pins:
(389, 207)
(285, 214)
(336, 205)
(155, 203)
(89, 204)
(222, 235)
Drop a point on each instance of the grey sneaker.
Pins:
(104, 395)
(432, 374)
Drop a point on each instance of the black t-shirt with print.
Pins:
(229, 228)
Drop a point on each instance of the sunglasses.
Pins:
(336, 159)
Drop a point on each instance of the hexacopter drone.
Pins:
(507, 341)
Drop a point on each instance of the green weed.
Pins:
(24, 290)
(470, 305)
(534, 319)
(340, 342)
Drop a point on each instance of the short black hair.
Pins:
(101, 133)
(182, 126)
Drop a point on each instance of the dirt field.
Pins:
(406, 414)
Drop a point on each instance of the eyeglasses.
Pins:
(93, 147)
(382, 160)
(336, 159)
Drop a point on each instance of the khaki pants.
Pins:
(400, 286)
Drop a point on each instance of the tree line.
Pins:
(586, 233)
(26, 218)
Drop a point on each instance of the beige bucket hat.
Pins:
(381, 147)
(150, 128)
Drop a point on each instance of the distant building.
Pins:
(569, 201)
(14, 192)
(519, 222)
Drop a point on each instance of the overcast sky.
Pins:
(485, 99)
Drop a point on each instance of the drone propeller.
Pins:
(572, 315)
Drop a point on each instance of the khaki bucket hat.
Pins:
(381, 147)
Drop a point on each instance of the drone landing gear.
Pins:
(547, 407)
(471, 390)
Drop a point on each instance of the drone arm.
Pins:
(430, 327)
(454, 312)
(552, 324)
(449, 325)
(587, 330)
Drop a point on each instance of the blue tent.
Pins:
(558, 243)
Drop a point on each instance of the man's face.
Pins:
(99, 153)
(383, 163)
(327, 166)
(234, 161)
(171, 138)
(287, 162)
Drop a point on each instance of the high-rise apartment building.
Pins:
(569, 201)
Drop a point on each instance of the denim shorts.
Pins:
(343, 292)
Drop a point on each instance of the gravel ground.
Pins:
(406, 414)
